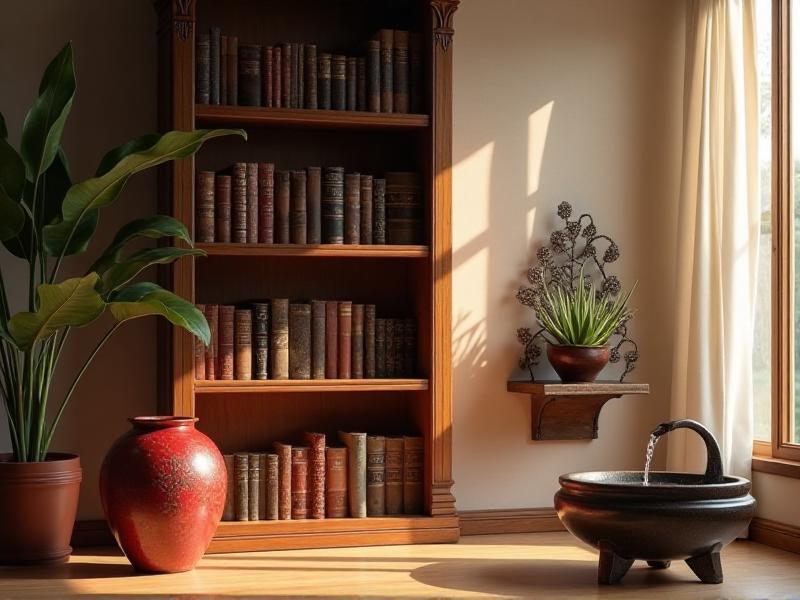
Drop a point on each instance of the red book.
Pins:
(212, 316)
(299, 483)
(316, 475)
(331, 339)
(266, 202)
(222, 208)
(225, 358)
(336, 483)
(345, 332)
(252, 203)
(266, 76)
(200, 352)
(276, 77)
(243, 343)
(284, 452)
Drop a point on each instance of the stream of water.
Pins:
(651, 448)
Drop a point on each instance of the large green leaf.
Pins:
(101, 191)
(3, 128)
(112, 157)
(144, 298)
(71, 303)
(44, 124)
(123, 271)
(12, 216)
(12, 169)
(154, 227)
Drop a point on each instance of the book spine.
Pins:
(282, 207)
(361, 83)
(293, 77)
(243, 343)
(223, 69)
(403, 208)
(212, 316)
(253, 485)
(314, 205)
(279, 340)
(400, 71)
(317, 339)
(299, 482)
(413, 449)
(229, 512)
(357, 342)
(399, 346)
(203, 76)
(226, 343)
(301, 75)
(239, 203)
(299, 341)
(379, 211)
(338, 82)
(199, 352)
(266, 202)
(356, 472)
(394, 475)
(352, 208)
(369, 341)
(262, 486)
(249, 75)
(286, 76)
(345, 330)
(284, 453)
(331, 339)
(409, 347)
(365, 195)
(415, 72)
(261, 340)
(213, 70)
(251, 174)
(310, 82)
(266, 76)
(390, 348)
(297, 201)
(277, 77)
(316, 475)
(204, 206)
(232, 67)
(376, 475)
(351, 83)
(373, 61)
(387, 72)
(336, 483)
(333, 205)
(380, 348)
(324, 81)
(272, 487)
(242, 487)
(222, 208)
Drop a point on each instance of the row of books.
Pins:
(318, 340)
(387, 78)
(254, 203)
(370, 476)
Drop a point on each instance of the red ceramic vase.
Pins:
(163, 488)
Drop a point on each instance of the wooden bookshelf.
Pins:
(400, 280)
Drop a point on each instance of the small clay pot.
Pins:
(577, 364)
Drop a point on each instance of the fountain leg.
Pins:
(707, 567)
(659, 564)
(612, 567)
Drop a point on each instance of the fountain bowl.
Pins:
(678, 516)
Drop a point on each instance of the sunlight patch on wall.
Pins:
(472, 178)
(538, 125)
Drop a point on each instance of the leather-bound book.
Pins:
(239, 203)
(380, 348)
(212, 316)
(356, 472)
(266, 76)
(387, 69)
(266, 202)
(297, 203)
(391, 348)
(271, 488)
(335, 483)
(223, 69)
(378, 211)
(242, 486)
(369, 341)
(222, 208)
(253, 485)
(232, 67)
(252, 202)
(345, 326)
(284, 452)
(376, 475)
(262, 486)
(286, 75)
(324, 81)
(333, 205)
(279, 340)
(352, 208)
(294, 56)
(331, 339)
(366, 209)
(401, 71)
(277, 77)
(314, 205)
(199, 352)
(213, 68)
(316, 475)
(203, 64)
(394, 475)
(261, 340)
(415, 73)
(351, 83)
(243, 343)
(301, 75)
(299, 341)
(249, 75)
(409, 347)
(338, 82)
(225, 359)
(310, 80)
(299, 482)
(357, 343)
(229, 512)
(318, 339)
(282, 207)
(373, 60)
(403, 208)
(204, 206)
(361, 83)
(413, 451)
(399, 347)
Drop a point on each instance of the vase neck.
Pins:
(162, 422)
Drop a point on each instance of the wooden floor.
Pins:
(543, 565)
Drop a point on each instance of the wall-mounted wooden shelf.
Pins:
(316, 251)
(310, 385)
(569, 411)
(243, 116)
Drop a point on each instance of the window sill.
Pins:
(776, 466)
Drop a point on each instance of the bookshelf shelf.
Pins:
(316, 251)
(243, 116)
(311, 385)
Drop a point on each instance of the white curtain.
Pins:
(717, 236)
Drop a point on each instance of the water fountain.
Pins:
(670, 516)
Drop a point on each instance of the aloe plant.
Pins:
(44, 219)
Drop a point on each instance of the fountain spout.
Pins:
(713, 472)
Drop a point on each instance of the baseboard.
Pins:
(91, 533)
(775, 534)
(509, 520)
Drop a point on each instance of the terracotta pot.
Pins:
(577, 364)
(163, 488)
(38, 503)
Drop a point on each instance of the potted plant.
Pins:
(44, 219)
